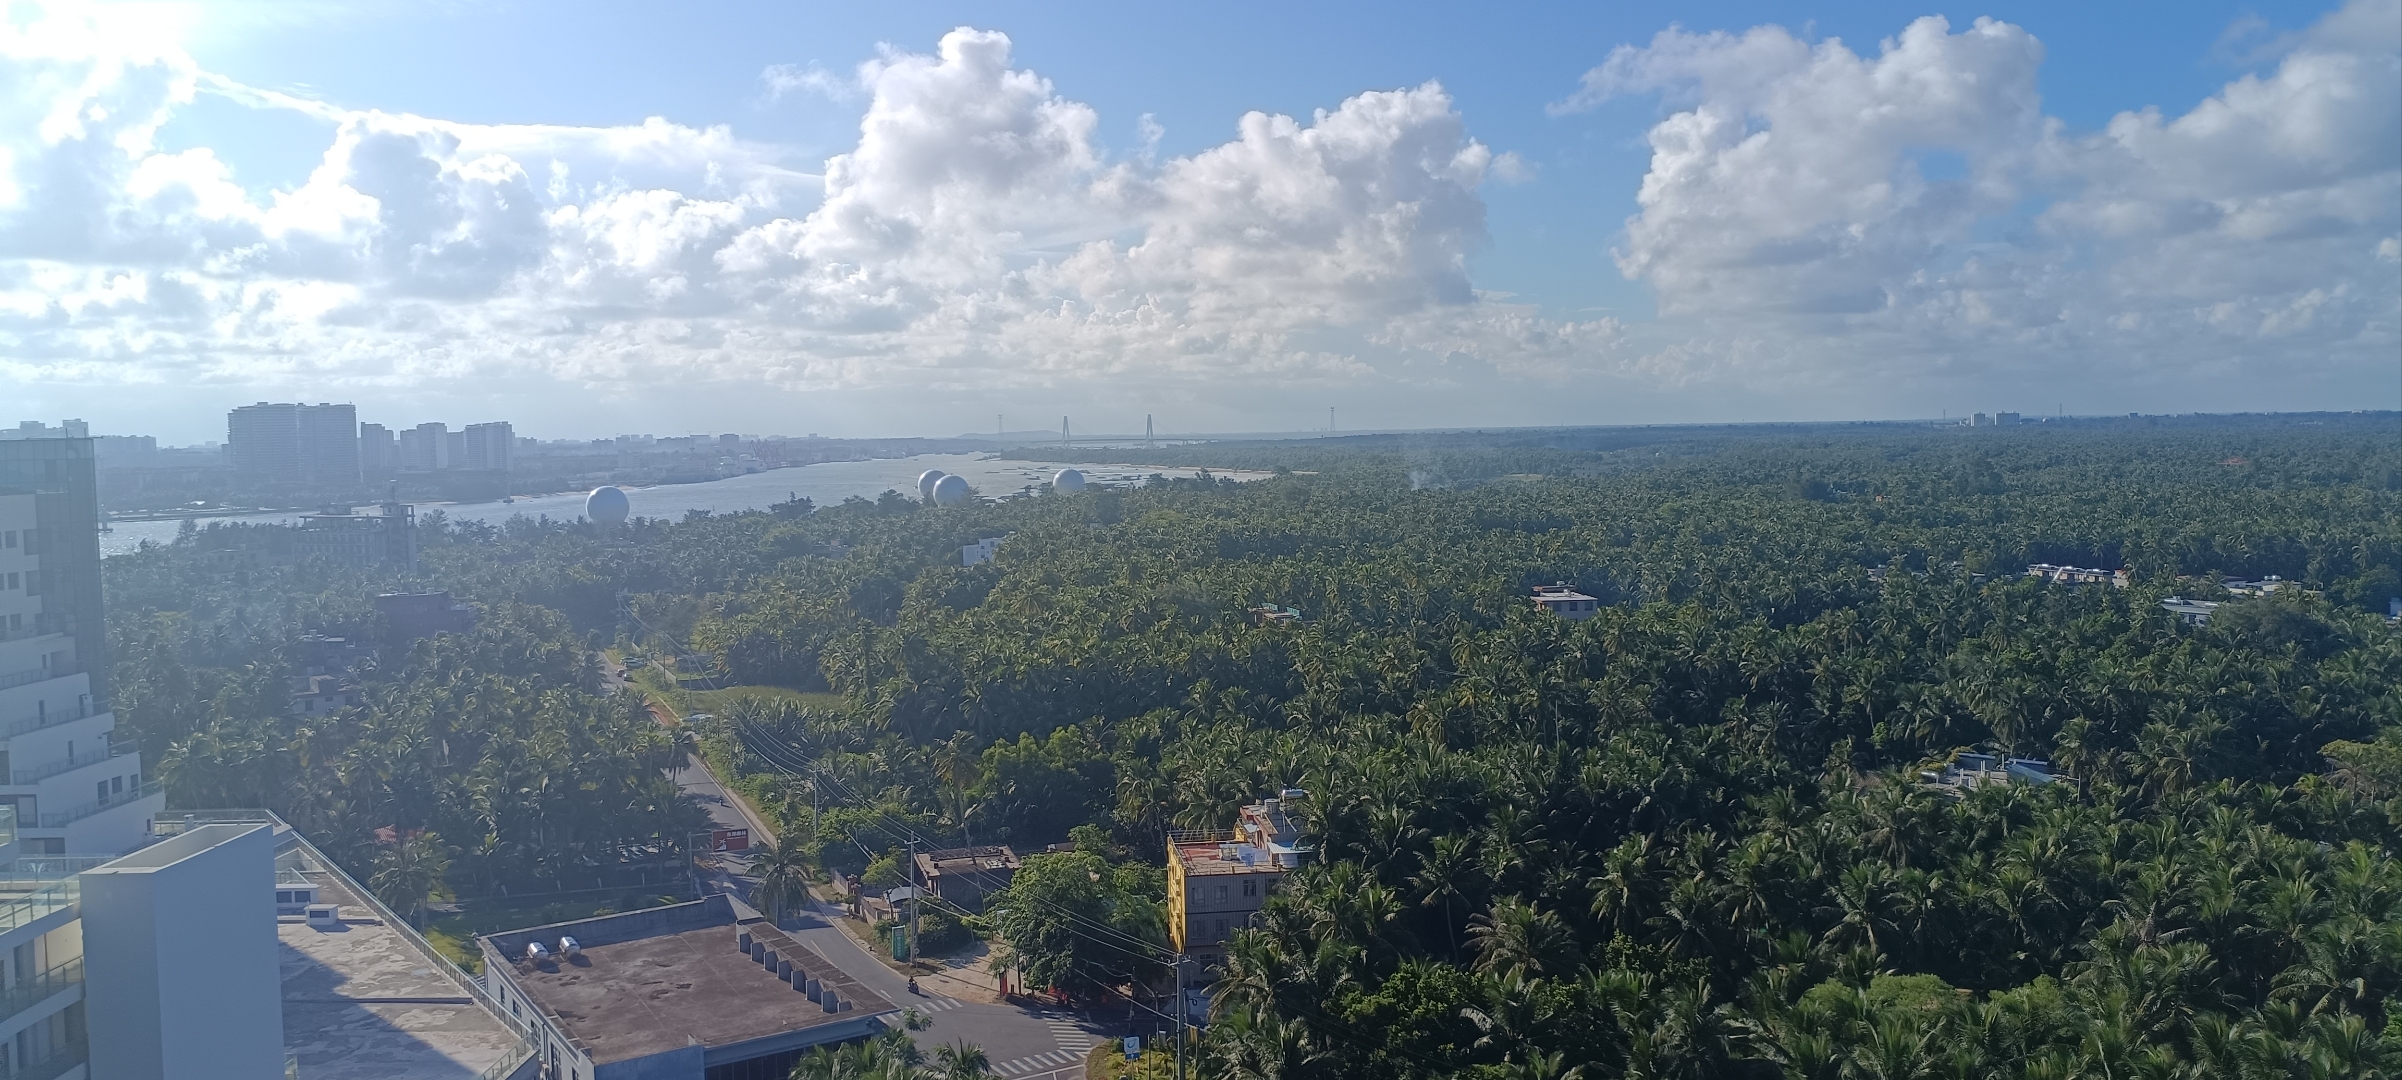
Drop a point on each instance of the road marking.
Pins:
(1055, 1061)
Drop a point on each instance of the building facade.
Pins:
(387, 538)
(74, 786)
(486, 447)
(229, 947)
(1219, 881)
(288, 443)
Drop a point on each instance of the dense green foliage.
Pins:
(1686, 837)
(499, 741)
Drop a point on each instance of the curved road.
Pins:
(1022, 1044)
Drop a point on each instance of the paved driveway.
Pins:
(1022, 1044)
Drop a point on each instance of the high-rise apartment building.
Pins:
(285, 443)
(35, 429)
(425, 448)
(329, 446)
(379, 452)
(486, 447)
(263, 441)
(74, 786)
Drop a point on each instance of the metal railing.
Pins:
(39, 773)
(52, 1067)
(73, 814)
(40, 902)
(51, 718)
(40, 988)
(295, 851)
(40, 871)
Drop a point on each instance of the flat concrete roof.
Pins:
(678, 983)
(1225, 857)
(360, 1003)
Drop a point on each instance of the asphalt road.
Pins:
(1021, 1043)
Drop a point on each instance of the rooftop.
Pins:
(968, 860)
(362, 1003)
(657, 980)
(1223, 856)
(369, 998)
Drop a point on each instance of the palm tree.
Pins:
(960, 1061)
(780, 877)
(409, 873)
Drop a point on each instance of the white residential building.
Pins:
(76, 788)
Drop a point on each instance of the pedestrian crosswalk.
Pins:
(934, 1003)
(1073, 1042)
(1067, 1034)
(1041, 1063)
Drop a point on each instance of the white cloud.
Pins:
(1811, 214)
(780, 81)
(1874, 210)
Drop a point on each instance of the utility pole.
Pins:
(913, 910)
(1179, 1016)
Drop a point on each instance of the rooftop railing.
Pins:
(63, 818)
(295, 853)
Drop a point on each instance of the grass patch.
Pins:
(454, 934)
(1108, 1062)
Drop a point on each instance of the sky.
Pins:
(932, 219)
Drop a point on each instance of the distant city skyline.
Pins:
(900, 221)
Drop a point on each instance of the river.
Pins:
(825, 483)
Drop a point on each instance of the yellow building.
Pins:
(1219, 881)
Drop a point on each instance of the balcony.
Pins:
(34, 905)
(40, 988)
(52, 1067)
(63, 818)
(95, 756)
(51, 718)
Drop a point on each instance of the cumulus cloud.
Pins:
(1807, 205)
(977, 234)
(1915, 205)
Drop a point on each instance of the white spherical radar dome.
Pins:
(1068, 480)
(926, 481)
(606, 506)
(950, 491)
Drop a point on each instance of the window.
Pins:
(116, 786)
(13, 580)
(1221, 892)
(103, 796)
(11, 536)
(1251, 888)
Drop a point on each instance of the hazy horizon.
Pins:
(907, 221)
